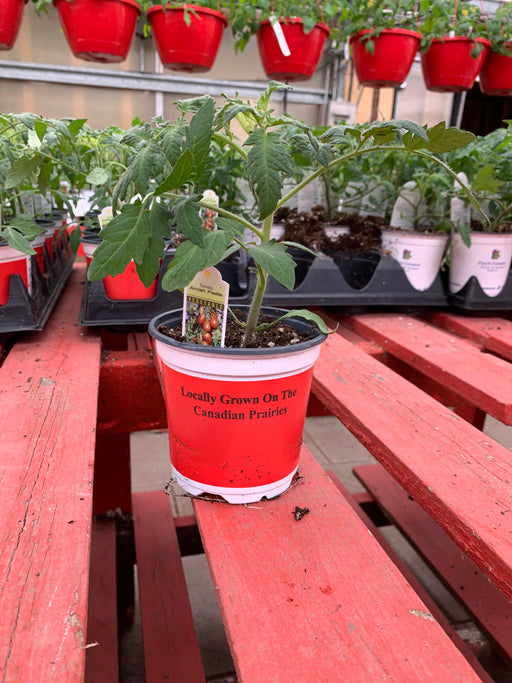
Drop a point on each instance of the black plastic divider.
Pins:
(26, 312)
(323, 284)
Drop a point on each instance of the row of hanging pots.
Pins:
(447, 66)
(102, 31)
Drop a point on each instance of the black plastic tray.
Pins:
(472, 297)
(24, 311)
(376, 281)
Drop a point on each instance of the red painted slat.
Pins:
(101, 659)
(486, 603)
(492, 333)
(355, 501)
(48, 402)
(171, 650)
(318, 599)
(461, 477)
(481, 378)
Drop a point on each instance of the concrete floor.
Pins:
(336, 449)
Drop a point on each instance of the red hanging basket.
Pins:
(448, 65)
(11, 13)
(392, 58)
(98, 30)
(496, 74)
(183, 47)
(306, 50)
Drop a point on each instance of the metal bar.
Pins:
(132, 80)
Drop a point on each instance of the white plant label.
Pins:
(278, 30)
(205, 305)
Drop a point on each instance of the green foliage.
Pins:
(375, 16)
(443, 18)
(498, 29)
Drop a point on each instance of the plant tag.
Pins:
(278, 30)
(105, 216)
(210, 197)
(205, 305)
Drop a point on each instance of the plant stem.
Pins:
(261, 285)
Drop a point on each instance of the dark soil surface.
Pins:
(307, 229)
(281, 334)
(476, 226)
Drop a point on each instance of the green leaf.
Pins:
(267, 158)
(22, 169)
(26, 226)
(74, 127)
(16, 240)
(309, 315)
(126, 236)
(179, 175)
(27, 120)
(44, 176)
(199, 133)
(229, 224)
(274, 258)
(442, 139)
(190, 259)
(143, 167)
(172, 142)
(189, 221)
(40, 127)
(98, 176)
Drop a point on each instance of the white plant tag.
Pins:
(408, 205)
(278, 30)
(205, 304)
(211, 198)
(460, 209)
(105, 216)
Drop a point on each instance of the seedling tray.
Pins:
(472, 298)
(375, 281)
(24, 311)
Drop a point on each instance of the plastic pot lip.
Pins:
(176, 315)
(298, 20)
(405, 32)
(196, 8)
(461, 39)
(132, 3)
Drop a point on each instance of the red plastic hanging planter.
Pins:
(181, 47)
(392, 58)
(11, 14)
(98, 30)
(496, 74)
(306, 49)
(448, 66)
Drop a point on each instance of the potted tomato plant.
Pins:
(291, 35)
(496, 73)
(11, 14)
(251, 393)
(383, 39)
(453, 45)
(96, 30)
(187, 36)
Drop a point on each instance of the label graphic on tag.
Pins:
(205, 308)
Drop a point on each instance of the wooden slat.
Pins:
(491, 333)
(318, 599)
(48, 402)
(483, 600)
(171, 650)
(459, 476)
(481, 378)
(355, 501)
(101, 659)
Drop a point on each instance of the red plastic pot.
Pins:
(392, 58)
(448, 65)
(12, 262)
(235, 416)
(98, 30)
(496, 74)
(306, 50)
(11, 13)
(191, 48)
(128, 285)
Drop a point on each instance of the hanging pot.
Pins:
(189, 47)
(11, 14)
(12, 262)
(235, 416)
(392, 58)
(488, 258)
(98, 30)
(305, 48)
(448, 66)
(418, 254)
(496, 74)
